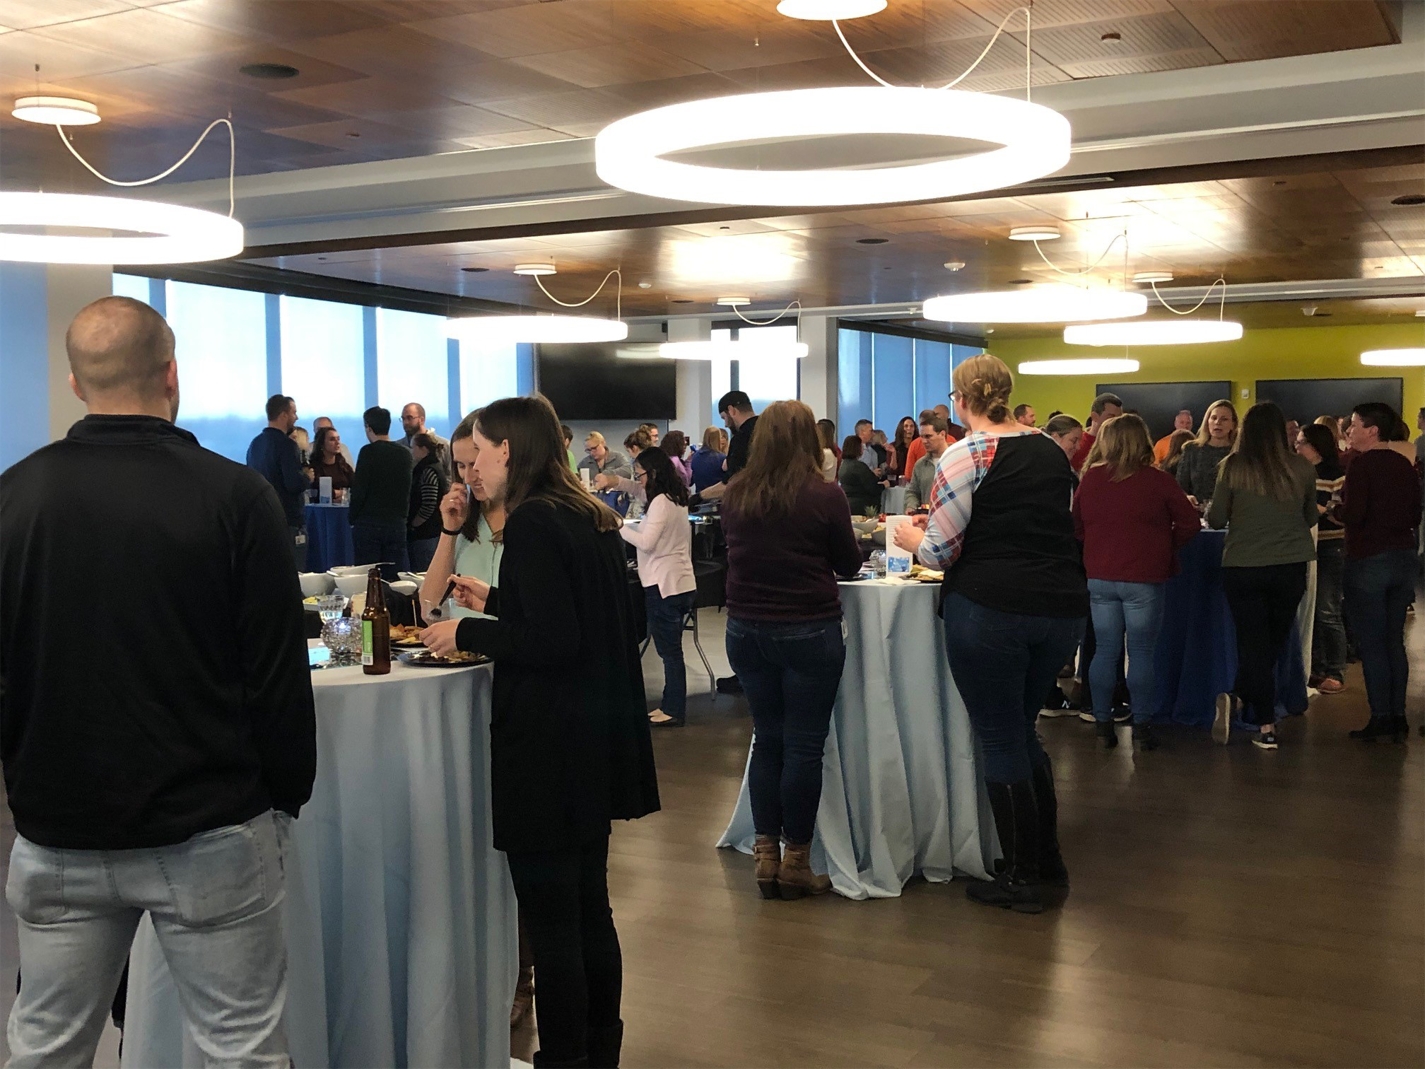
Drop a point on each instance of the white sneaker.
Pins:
(1222, 722)
(1087, 718)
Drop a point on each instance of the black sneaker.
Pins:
(1378, 727)
(1265, 740)
(729, 685)
(1122, 713)
(1062, 707)
(1145, 736)
(1107, 733)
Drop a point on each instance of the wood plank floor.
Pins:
(1230, 908)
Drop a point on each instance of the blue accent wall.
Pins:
(24, 360)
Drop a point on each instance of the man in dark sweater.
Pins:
(275, 457)
(735, 408)
(155, 745)
(380, 494)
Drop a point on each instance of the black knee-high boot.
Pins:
(1052, 870)
(1016, 885)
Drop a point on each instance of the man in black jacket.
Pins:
(158, 729)
(276, 457)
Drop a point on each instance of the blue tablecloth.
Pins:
(328, 537)
(1197, 647)
(400, 915)
(901, 790)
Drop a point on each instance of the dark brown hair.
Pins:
(784, 456)
(1260, 462)
(431, 445)
(675, 444)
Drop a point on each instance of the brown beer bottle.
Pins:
(375, 628)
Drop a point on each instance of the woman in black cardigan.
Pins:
(569, 742)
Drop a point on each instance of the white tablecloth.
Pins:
(400, 915)
(901, 789)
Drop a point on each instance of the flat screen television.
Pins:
(1160, 402)
(591, 382)
(1305, 399)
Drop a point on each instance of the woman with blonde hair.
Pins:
(707, 460)
(1197, 467)
(1132, 519)
(1014, 604)
(788, 537)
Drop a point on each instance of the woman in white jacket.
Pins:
(665, 565)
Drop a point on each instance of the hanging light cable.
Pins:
(545, 328)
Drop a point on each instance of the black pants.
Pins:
(1263, 601)
(564, 903)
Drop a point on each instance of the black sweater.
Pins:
(569, 741)
(153, 669)
(428, 485)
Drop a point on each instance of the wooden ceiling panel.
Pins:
(617, 64)
(365, 97)
(28, 14)
(530, 29)
(392, 52)
(145, 32)
(1146, 35)
(741, 47)
(534, 136)
(1050, 13)
(1147, 64)
(1265, 29)
(22, 50)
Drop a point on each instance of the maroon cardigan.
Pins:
(1132, 530)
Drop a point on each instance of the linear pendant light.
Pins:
(552, 329)
(1154, 332)
(1039, 304)
(1393, 357)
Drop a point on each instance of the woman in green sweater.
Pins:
(1265, 496)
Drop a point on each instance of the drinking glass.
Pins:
(343, 637)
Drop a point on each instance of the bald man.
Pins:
(157, 743)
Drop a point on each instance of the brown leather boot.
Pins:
(768, 852)
(795, 878)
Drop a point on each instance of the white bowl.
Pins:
(315, 584)
(351, 585)
(350, 569)
(406, 587)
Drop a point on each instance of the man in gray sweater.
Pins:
(934, 433)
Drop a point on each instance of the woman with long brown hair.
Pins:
(1132, 519)
(1014, 607)
(569, 743)
(788, 537)
(907, 431)
(1266, 498)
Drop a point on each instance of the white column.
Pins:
(819, 366)
(695, 399)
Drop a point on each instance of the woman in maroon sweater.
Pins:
(1132, 519)
(788, 535)
(1380, 508)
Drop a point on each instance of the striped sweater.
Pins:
(1329, 481)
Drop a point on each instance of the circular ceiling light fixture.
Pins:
(1034, 140)
(1039, 304)
(733, 350)
(732, 301)
(1088, 366)
(1034, 233)
(1148, 278)
(536, 269)
(148, 232)
(553, 329)
(1154, 332)
(1393, 357)
(954, 265)
(56, 111)
(829, 10)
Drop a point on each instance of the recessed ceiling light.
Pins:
(1144, 278)
(56, 111)
(680, 300)
(734, 301)
(1089, 366)
(1021, 281)
(1112, 37)
(826, 10)
(269, 71)
(474, 270)
(535, 269)
(872, 241)
(1393, 357)
(1034, 233)
(954, 265)
(1409, 200)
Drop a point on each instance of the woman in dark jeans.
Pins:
(1380, 507)
(1317, 444)
(1265, 496)
(788, 536)
(1015, 600)
(569, 743)
(665, 567)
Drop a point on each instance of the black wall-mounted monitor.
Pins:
(1160, 402)
(592, 382)
(1305, 399)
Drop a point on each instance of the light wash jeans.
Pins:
(216, 904)
(1136, 608)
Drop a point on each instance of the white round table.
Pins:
(901, 790)
(400, 914)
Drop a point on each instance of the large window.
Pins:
(324, 362)
(131, 286)
(412, 364)
(763, 380)
(883, 377)
(220, 340)
(488, 372)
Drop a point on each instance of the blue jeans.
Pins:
(1003, 664)
(1135, 608)
(1378, 591)
(665, 625)
(216, 906)
(1328, 636)
(375, 543)
(421, 552)
(790, 673)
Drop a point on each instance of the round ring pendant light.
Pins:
(150, 232)
(552, 329)
(1033, 140)
(1078, 367)
(1154, 332)
(1393, 357)
(56, 111)
(1043, 304)
(829, 10)
(733, 350)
